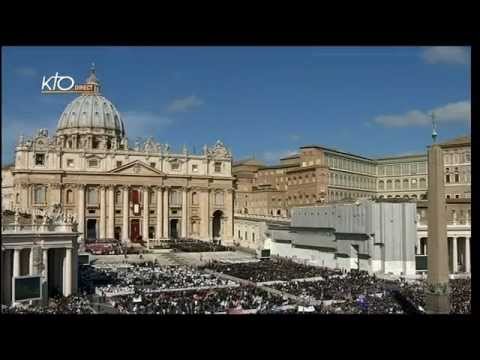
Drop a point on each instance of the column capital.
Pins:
(125, 187)
(55, 186)
(102, 187)
(25, 185)
(110, 186)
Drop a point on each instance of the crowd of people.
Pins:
(191, 245)
(270, 270)
(149, 288)
(225, 300)
(460, 295)
(71, 305)
(150, 276)
(333, 286)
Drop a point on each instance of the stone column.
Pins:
(454, 255)
(419, 251)
(25, 195)
(165, 213)
(45, 276)
(145, 215)
(16, 269)
(159, 231)
(204, 213)
(7, 276)
(467, 254)
(102, 212)
(81, 210)
(45, 263)
(184, 213)
(30, 262)
(67, 274)
(454, 220)
(228, 232)
(436, 297)
(111, 212)
(125, 189)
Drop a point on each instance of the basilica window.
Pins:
(194, 198)
(405, 184)
(447, 159)
(69, 162)
(69, 196)
(422, 167)
(397, 184)
(467, 157)
(423, 183)
(389, 184)
(119, 163)
(175, 165)
(92, 197)
(40, 194)
(414, 184)
(118, 197)
(447, 178)
(39, 159)
(153, 165)
(175, 198)
(93, 163)
(218, 166)
(219, 198)
(17, 198)
(413, 168)
(457, 178)
(194, 168)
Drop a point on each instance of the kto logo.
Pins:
(58, 83)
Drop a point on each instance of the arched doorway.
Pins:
(217, 224)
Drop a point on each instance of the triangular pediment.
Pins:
(136, 167)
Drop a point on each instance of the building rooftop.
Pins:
(462, 140)
(335, 151)
(394, 157)
(249, 161)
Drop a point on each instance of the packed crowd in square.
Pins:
(215, 301)
(269, 270)
(149, 288)
(71, 305)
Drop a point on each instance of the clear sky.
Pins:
(261, 101)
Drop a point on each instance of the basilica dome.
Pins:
(93, 111)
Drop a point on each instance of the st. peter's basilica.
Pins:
(146, 193)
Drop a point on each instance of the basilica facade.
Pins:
(144, 193)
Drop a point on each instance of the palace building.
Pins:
(144, 194)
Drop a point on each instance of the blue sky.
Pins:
(261, 101)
